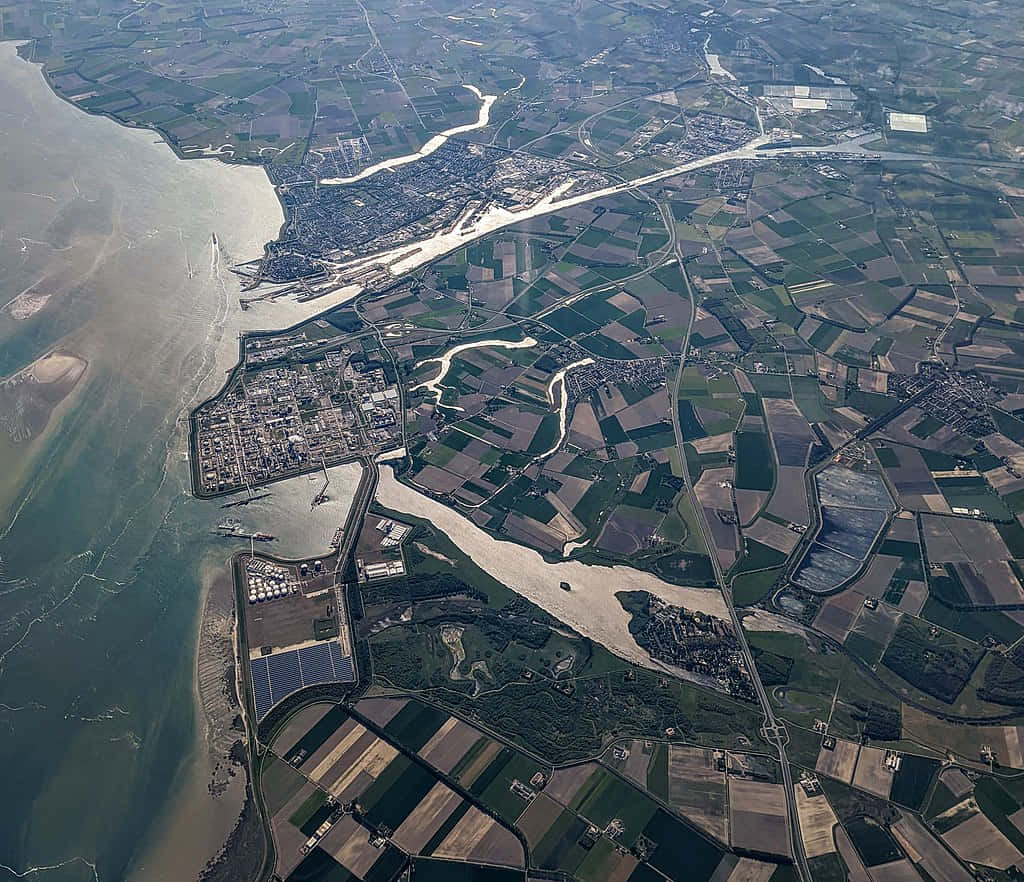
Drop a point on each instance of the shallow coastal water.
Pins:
(106, 254)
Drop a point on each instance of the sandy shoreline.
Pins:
(196, 828)
(57, 366)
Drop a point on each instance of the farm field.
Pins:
(368, 761)
(440, 790)
(679, 349)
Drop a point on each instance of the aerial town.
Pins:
(701, 645)
(960, 399)
(274, 422)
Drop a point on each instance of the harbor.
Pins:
(231, 528)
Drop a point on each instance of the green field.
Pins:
(755, 467)
(605, 797)
(938, 665)
(749, 588)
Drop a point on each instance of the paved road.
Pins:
(773, 731)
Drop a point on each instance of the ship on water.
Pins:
(232, 527)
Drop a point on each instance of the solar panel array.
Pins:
(279, 674)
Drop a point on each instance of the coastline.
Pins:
(196, 348)
(207, 822)
(173, 145)
(160, 849)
